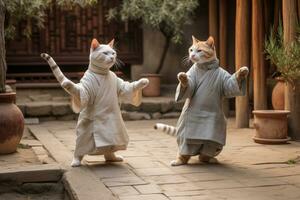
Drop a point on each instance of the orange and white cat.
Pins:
(100, 127)
(201, 128)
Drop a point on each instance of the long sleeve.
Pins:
(129, 92)
(85, 89)
(231, 86)
(187, 92)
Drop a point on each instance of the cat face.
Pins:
(202, 51)
(103, 55)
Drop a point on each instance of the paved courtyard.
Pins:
(246, 170)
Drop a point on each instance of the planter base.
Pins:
(271, 141)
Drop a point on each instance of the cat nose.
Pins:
(193, 56)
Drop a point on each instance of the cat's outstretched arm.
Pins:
(235, 85)
(131, 92)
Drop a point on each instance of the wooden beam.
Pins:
(242, 57)
(258, 60)
(213, 22)
(292, 95)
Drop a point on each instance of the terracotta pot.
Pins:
(153, 89)
(278, 95)
(270, 126)
(11, 123)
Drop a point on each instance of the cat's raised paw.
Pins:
(142, 83)
(182, 77)
(242, 73)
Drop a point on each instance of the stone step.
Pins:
(46, 108)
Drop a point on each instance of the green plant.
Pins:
(285, 57)
(32, 13)
(168, 16)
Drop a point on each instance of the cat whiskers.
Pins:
(186, 61)
(118, 64)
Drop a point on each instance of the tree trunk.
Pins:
(292, 97)
(213, 22)
(242, 58)
(258, 60)
(163, 57)
(2, 49)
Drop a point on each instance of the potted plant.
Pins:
(11, 13)
(272, 125)
(167, 16)
(286, 58)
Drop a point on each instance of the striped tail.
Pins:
(65, 83)
(171, 130)
(54, 67)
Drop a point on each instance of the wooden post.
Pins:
(242, 57)
(223, 32)
(258, 60)
(213, 22)
(2, 48)
(292, 96)
(298, 10)
(223, 44)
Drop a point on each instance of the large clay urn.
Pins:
(278, 95)
(271, 126)
(11, 123)
(153, 89)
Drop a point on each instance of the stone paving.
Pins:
(246, 170)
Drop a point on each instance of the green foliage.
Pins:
(22, 10)
(168, 16)
(285, 57)
(33, 12)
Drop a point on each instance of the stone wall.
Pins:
(154, 41)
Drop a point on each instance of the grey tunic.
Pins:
(202, 118)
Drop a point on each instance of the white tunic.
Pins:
(100, 126)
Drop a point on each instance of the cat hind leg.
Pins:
(76, 162)
(180, 160)
(208, 159)
(112, 157)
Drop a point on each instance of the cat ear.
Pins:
(111, 43)
(195, 40)
(210, 41)
(94, 44)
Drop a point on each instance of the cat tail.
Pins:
(171, 130)
(55, 68)
(70, 88)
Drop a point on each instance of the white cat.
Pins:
(100, 127)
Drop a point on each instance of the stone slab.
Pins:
(56, 149)
(32, 173)
(81, 184)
